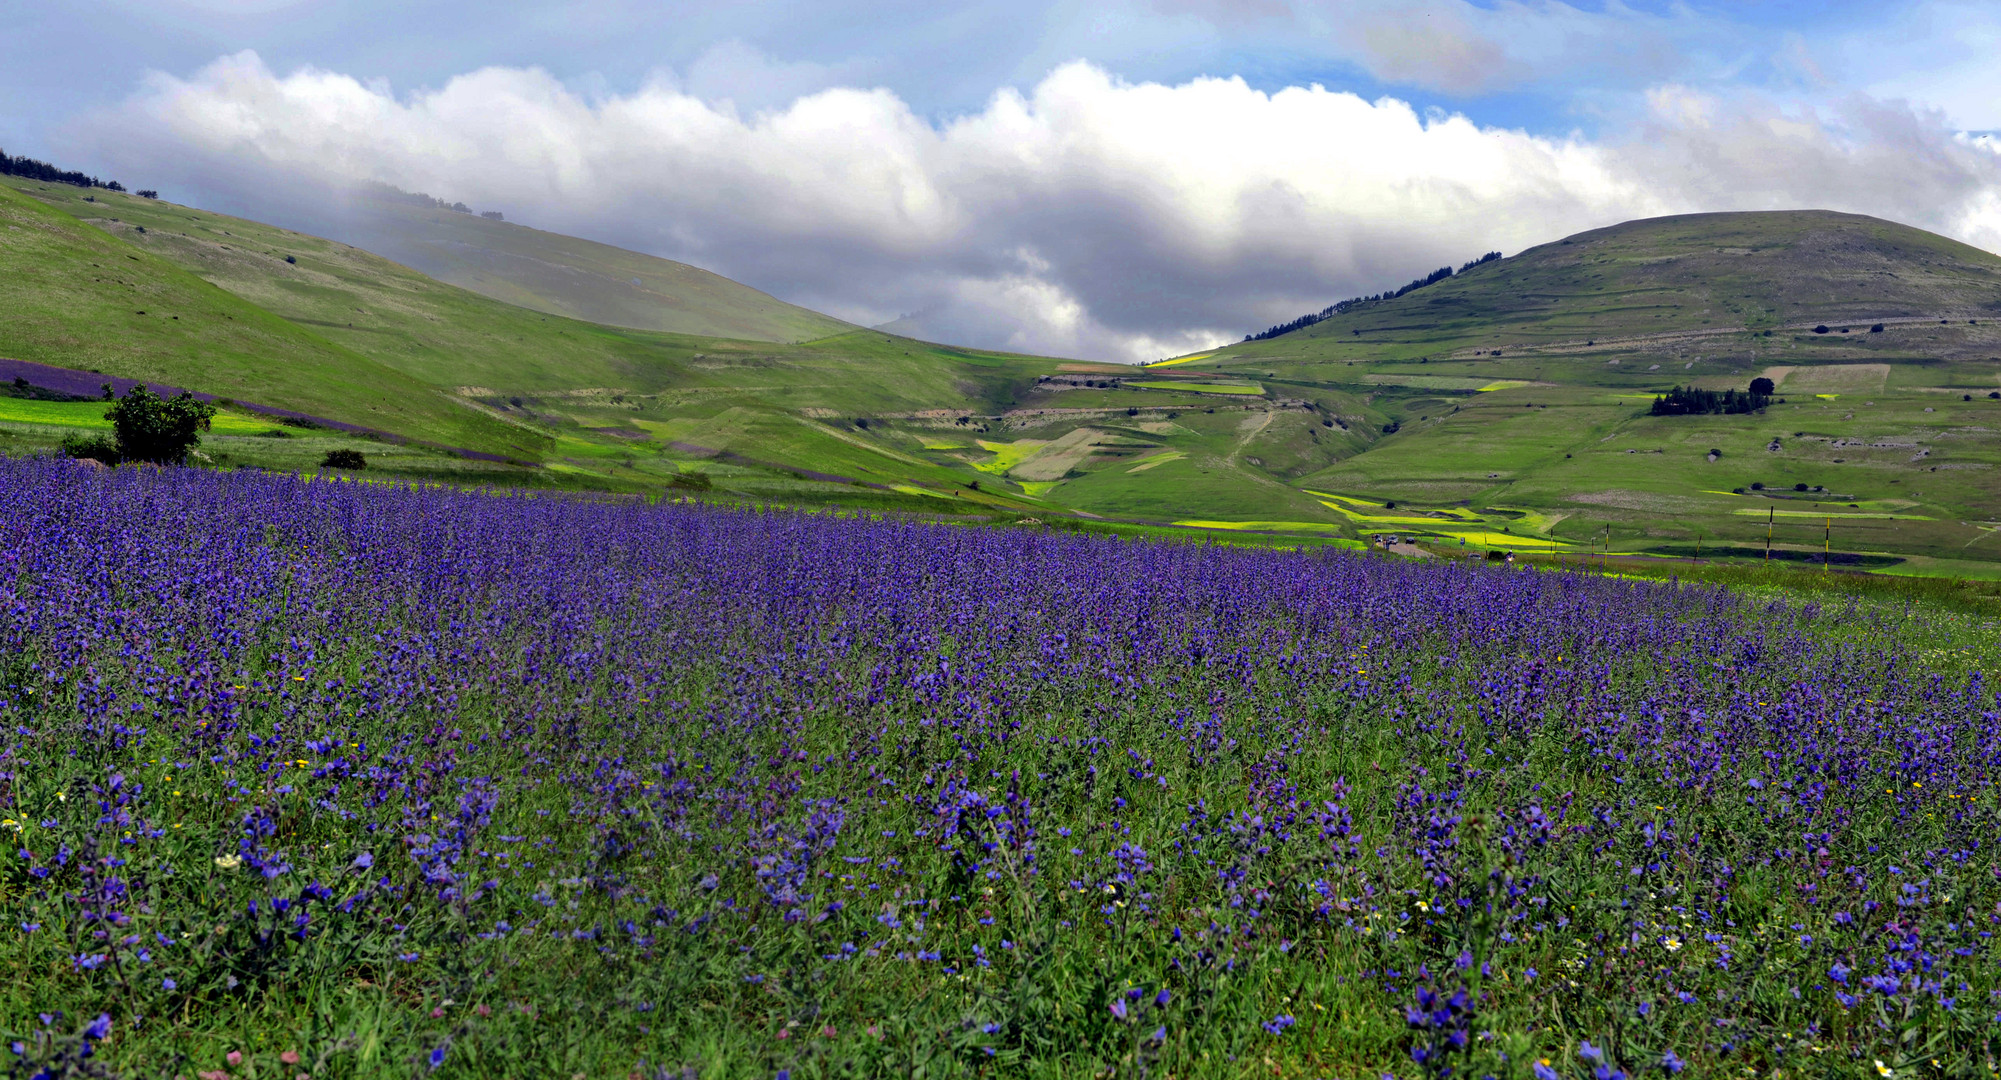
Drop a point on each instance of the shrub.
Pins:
(1876, 329)
(695, 480)
(1763, 386)
(1821, 329)
(149, 428)
(94, 447)
(343, 459)
(1799, 487)
(1758, 486)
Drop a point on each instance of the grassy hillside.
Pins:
(1699, 278)
(1519, 390)
(580, 279)
(1502, 409)
(78, 298)
(608, 406)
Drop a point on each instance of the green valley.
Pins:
(1504, 408)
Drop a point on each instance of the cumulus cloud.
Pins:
(1083, 216)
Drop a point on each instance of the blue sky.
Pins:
(1117, 180)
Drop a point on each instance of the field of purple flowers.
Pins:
(327, 779)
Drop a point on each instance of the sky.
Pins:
(1119, 181)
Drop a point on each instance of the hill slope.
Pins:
(1698, 274)
(78, 298)
(1518, 392)
(612, 403)
(580, 279)
(1505, 408)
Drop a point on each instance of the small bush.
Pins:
(1758, 486)
(1799, 487)
(343, 459)
(292, 259)
(94, 447)
(151, 428)
(1821, 329)
(696, 480)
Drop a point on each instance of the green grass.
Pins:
(579, 279)
(78, 298)
(1547, 440)
(67, 414)
(1248, 390)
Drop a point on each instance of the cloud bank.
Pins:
(1085, 216)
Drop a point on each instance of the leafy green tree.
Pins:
(151, 428)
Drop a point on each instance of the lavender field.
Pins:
(326, 779)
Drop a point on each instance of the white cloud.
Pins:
(1085, 216)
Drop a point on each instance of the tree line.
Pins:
(42, 170)
(391, 193)
(1332, 310)
(1689, 401)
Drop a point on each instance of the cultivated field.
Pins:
(331, 779)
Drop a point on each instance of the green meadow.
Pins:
(1506, 408)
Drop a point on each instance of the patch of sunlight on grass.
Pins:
(1494, 539)
(1264, 526)
(1179, 360)
(1007, 455)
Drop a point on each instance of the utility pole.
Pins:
(1826, 545)
(1771, 512)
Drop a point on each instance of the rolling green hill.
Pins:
(1522, 386)
(75, 297)
(1695, 277)
(580, 279)
(1505, 408)
(596, 405)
